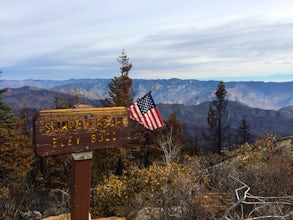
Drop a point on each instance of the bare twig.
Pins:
(169, 147)
(259, 202)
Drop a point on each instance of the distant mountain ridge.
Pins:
(193, 117)
(265, 95)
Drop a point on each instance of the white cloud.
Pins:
(164, 39)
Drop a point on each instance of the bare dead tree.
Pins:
(170, 148)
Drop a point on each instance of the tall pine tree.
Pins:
(243, 132)
(217, 119)
(121, 93)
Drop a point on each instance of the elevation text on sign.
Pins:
(64, 131)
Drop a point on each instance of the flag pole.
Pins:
(154, 88)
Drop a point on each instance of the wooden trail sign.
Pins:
(79, 132)
(64, 131)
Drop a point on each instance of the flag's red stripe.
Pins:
(131, 112)
(137, 114)
(159, 119)
(149, 119)
(153, 118)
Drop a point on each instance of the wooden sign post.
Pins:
(81, 184)
(79, 132)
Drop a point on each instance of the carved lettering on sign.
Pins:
(75, 130)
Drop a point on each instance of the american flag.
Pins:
(145, 112)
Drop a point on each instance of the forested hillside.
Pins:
(164, 174)
(260, 121)
(219, 159)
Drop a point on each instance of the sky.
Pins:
(250, 40)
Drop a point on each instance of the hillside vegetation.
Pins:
(155, 177)
(219, 159)
(252, 182)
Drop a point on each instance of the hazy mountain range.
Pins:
(265, 95)
(267, 107)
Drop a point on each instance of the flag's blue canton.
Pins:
(145, 103)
